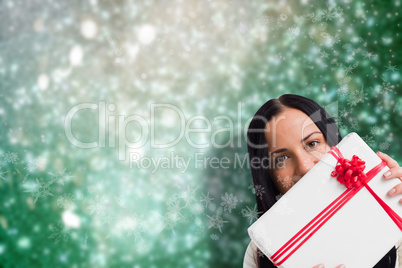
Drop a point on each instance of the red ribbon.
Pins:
(351, 174)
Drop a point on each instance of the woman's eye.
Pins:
(312, 144)
(280, 159)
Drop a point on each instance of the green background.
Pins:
(65, 206)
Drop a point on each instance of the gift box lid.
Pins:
(358, 235)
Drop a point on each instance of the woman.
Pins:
(293, 133)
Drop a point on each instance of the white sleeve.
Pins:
(250, 257)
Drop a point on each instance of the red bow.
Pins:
(350, 172)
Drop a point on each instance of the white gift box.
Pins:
(358, 235)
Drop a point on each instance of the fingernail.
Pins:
(379, 152)
(386, 174)
(342, 266)
(391, 192)
(321, 266)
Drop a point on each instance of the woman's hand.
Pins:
(395, 171)
(323, 266)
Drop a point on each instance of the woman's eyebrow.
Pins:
(305, 138)
(308, 136)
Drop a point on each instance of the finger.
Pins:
(319, 266)
(341, 266)
(395, 172)
(395, 190)
(391, 163)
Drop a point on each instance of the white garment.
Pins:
(251, 257)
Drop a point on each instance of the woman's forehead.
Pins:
(289, 125)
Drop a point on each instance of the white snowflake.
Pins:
(391, 67)
(214, 237)
(216, 222)
(343, 90)
(353, 123)
(293, 32)
(189, 195)
(368, 139)
(278, 196)
(135, 226)
(332, 12)
(229, 202)
(206, 199)
(2, 173)
(59, 233)
(357, 97)
(106, 218)
(375, 130)
(79, 196)
(196, 208)
(259, 191)
(387, 87)
(60, 177)
(97, 205)
(344, 113)
(65, 200)
(11, 157)
(251, 214)
(264, 20)
(384, 146)
(41, 189)
(283, 17)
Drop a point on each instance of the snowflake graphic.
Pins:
(59, 233)
(368, 139)
(283, 17)
(106, 218)
(278, 196)
(216, 222)
(332, 12)
(229, 202)
(368, 55)
(79, 196)
(214, 237)
(189, 195)
(375, 130)
(387, 87)
(134, 225)
(34, 164)
(384, 146)
(264, 20)
(344, 113)
(293, 32)
(2, 173)
(41, 189)
(343, 91)
(65, 200)
(11, 157)
(172, 218)
(391, 67)
(251, 214)
(206, 199)
(197, 209)
(259, 191)
(60, 177)
(97, 205)
(353, 123)
(357, 97)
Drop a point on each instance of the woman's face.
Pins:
(295, 145)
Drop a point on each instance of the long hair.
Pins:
(257, 148)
